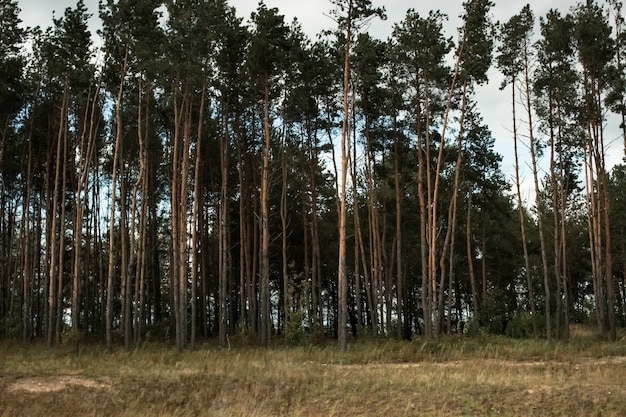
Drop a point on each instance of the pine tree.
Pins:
(350, 16)
(512, 62)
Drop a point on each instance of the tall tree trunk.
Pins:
(116, 160)
(342, 273)
(470, 260)
(433, 188)
(520, 208)
(57, 224)
(223, 237)
(265, 319)
(401, 310)
(316, 259)
(448, 245)
(196, 221)
(186, 115)
(87, 151)
(283, 224)
(533, 146)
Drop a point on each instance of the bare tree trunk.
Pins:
(558, 210)
(376, 265)
(520, 207)
(223, 238)
(265, 319)
(182, 218)
(56, 240)
(342, 273)
(28, 264)
(423, 155)
(448, 244)
(116, 158)
(316, 261)
(196, 220)
(87, 151)
(399, 271)
(470, 259)
(283, 224)
(544, 257)
(433, 201)
(139, 248)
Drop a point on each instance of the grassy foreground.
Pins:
(456, 377)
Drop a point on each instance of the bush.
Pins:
(520, 325)
(11, 326)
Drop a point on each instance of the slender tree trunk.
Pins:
(183, 251)
(223, 236)
(448, 244)
(86, 149)
(399, 198)
(556, 190)
(124, 252)
(342, 274)
(423, 165)
(520, 207)
(116, 159)
(56, 234)
(433, 197)
(139, 248)
(542, 240)
(265, 319)
(316, 261)
(196, 220)
(470, 259)
(283, 224)
(28, 263)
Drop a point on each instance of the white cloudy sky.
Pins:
(494, 104)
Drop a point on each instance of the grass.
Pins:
(457, 376)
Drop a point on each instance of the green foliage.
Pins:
(477, 39)
(11, 61)
(520, 326)
(269, 46)
(494, 314)
(11, 326)
(295, 330)
(355, 13)
(161, 64)
(515, 44)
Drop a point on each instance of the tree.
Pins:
(12, 97)
(512, 60)
(596, 49)
(268, 48)
(557, 102)
(350, 16)
(422, 50)
(132, 44)
(67, 50)
(474, 59)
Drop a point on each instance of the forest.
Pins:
(195, 176)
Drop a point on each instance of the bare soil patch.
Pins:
(42, 384)
(575, 363)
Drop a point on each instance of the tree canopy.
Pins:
(195, 176)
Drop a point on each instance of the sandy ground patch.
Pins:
(41, 384)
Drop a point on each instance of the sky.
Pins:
(495, 105)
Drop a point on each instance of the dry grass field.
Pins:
(460, 376)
